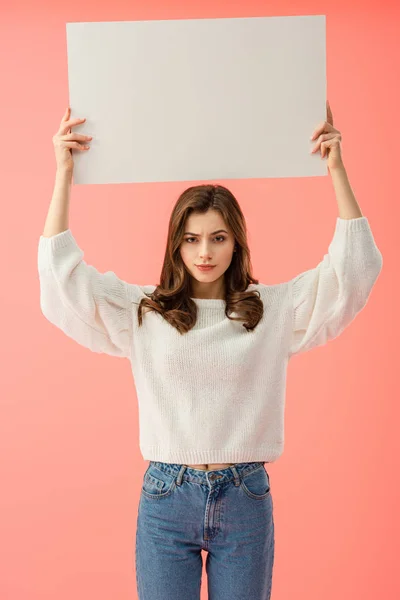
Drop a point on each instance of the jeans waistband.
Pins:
(181, 471)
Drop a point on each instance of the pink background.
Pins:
(70, 465)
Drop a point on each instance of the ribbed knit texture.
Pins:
(217, 393)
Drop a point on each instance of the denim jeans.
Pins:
(228, 513)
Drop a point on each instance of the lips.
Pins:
(205, 267)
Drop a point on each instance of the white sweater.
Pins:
(217, 393)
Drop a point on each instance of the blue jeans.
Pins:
(227, 512)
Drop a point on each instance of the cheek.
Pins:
(186, 254)
(227, 255)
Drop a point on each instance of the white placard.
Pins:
(198, 99)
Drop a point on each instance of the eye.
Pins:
(221, 237)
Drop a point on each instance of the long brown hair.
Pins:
(171, 298)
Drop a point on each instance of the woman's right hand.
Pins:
(65, 141)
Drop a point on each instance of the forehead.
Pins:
(205, 222)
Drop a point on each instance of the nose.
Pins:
(205, 253)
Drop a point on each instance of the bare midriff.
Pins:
(211, 467)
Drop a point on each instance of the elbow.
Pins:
(379, 263)
(373, 271)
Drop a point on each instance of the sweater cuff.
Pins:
(60, 240)
(357, 224)
(49, 248)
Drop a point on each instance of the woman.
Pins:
(209, 351)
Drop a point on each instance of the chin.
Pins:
(209, 277)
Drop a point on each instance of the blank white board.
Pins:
(198, 99)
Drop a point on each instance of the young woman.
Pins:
(209, 350)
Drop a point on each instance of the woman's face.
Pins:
(207, 239)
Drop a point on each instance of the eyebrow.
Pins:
(213, 233)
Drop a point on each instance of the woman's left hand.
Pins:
(329, 140)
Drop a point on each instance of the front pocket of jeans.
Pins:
(155, 487)
(256, 484)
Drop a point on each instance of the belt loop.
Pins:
(180, 475)
(235, 475)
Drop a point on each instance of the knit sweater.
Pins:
(217, 393)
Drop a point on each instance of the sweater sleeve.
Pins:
(327, 298)
(90, 307)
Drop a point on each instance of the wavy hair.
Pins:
(171, 298)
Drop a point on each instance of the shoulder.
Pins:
(136, 292)
(270, 290)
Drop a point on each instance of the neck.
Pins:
(208, 291)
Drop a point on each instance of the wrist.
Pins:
(340, 168)
(65, 174)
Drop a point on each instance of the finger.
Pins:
(66, 114)
(325, 137)
(318, 130)
(322, 127)
(329, 113)
(64, 120)
(75, 136)
(324, 148)
(75, 146)
(329, 145)
(65, 126)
